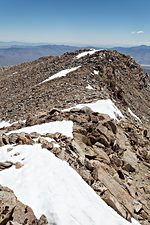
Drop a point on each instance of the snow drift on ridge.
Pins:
(51, 187)
(64, 127)
(82, 54)
(102, 106)
(62, 73)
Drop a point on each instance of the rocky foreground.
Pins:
(13, 212)
(112, 156)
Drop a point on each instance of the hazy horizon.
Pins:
(19, 43)
(97, 23)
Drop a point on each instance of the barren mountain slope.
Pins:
(111, 75)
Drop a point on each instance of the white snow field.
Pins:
(51, 187)
(102, 106)
(4, 124)
(65, 127)
(62, 73)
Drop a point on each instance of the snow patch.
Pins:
(82, 54)
(8, 124)
(51, 187)
(102, 106)
(48, 139)
(96, 72)
(65, 127)
(4, 124)
(89, 87)
(132, 114)
(62, 73)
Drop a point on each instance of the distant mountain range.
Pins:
(12, 53)
(140, 53)
(19, 54)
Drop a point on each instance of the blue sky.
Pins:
(95, 22)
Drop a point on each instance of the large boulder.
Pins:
(13, 212)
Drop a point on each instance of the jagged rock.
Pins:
(130, 161)
(99, 187)
(103, 140)
(94, 118)
(128, 167)
(78, 148)
(101, 155)
(113, 202)
(5, 139)
(12, 138)
(18, 165)
(24, 139)
(123, 197)
(137, 206)
(73, 110)
(47, 145)
(116, 160)
(54, 111)
(110, 124)
(34, 135)
(100, 145)
(86, 110)
(5, 165)
(31, 120)
(90, 153)
(8, 202)
(23, 214)
(1, 141)
(102, 130)
(144, 153)
(86, 175)
(13, 212)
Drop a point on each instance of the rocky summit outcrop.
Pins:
(113, 157)
(13, 212)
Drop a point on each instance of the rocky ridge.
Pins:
(110, 74)
(113, 157)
